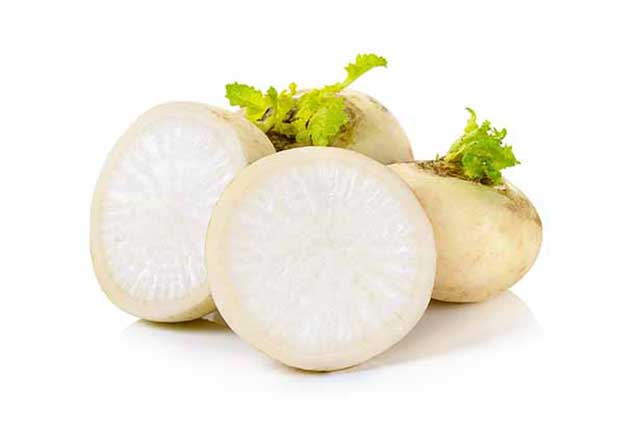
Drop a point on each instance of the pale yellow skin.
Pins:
(254, 145)
(487, 237)
(374, 131)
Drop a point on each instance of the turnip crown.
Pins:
(479, 154)
(313, 117)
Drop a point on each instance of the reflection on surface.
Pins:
(200, 336)
(445, 329)
(143, 327)
(450, 327)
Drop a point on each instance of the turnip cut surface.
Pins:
(320, 257)
(153, 202)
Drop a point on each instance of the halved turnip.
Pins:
(487, 236)
(153, 202)
(320, 257)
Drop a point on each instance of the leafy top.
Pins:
(314, 117)
(480, 153)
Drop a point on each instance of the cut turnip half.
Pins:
(320, 257)
(153, 201)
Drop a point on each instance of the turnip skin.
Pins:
(373, 130)
(253, 145)
(487, 237)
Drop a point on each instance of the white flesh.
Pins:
(320, 257)
(153, 202)
(487, 237)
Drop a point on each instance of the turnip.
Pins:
(487, 232)
(320, 257)
(327, 116)
(153, 202)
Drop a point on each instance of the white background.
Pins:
(559, 353)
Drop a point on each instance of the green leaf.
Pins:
(251, 99)
(327, 121)
(480, 153)
(362, 64)
(283, 103)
